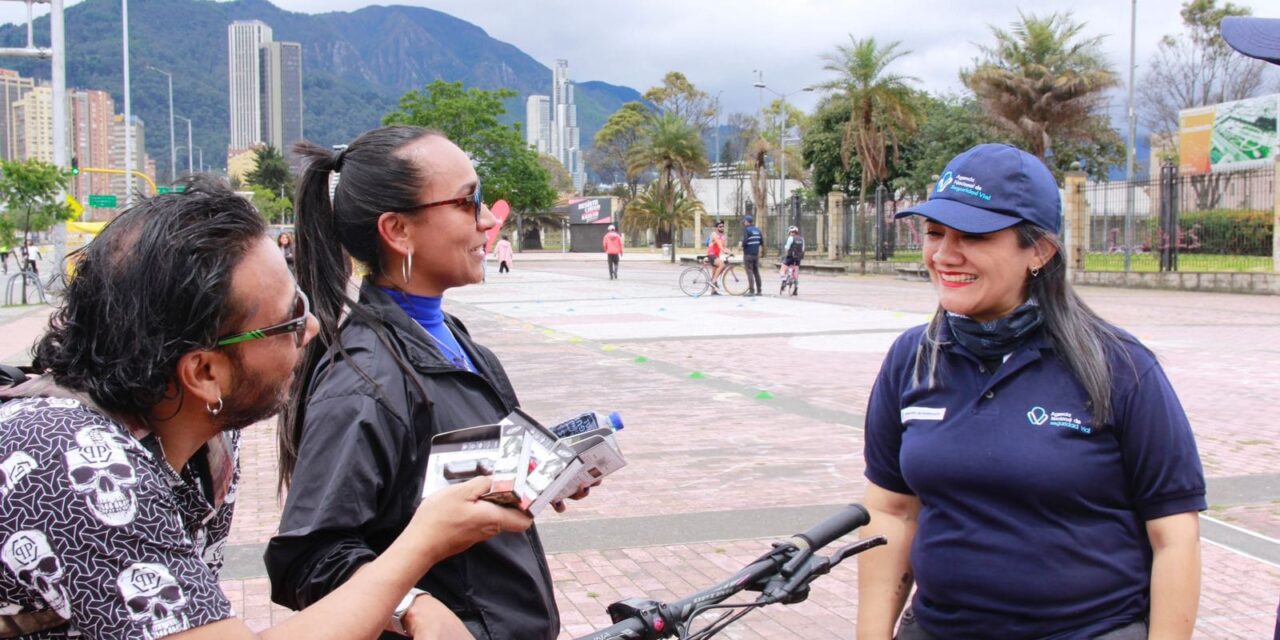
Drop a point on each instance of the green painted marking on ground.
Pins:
(764, 395)
(641, 360)
(696, 375)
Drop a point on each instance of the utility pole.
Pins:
(128, 108)
(1130, 152)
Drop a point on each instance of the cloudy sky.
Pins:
(719, 44)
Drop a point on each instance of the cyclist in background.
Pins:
(792, 254)
(716, 249)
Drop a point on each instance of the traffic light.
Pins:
(75, 166)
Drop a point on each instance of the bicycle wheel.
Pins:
(694, 281)
(734, 280)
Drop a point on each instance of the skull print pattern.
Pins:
(155, 599)
(100, 471)
(28, 555)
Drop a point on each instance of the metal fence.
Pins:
(1217, 222)
(872, 230)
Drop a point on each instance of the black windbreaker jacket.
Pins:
(361, 466)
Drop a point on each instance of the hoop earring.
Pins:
(406, 267)
(213, 411)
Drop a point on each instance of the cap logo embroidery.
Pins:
(969, 186)
(945, 181)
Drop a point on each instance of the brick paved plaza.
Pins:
(744, 424)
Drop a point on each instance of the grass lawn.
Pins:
(1188, 262)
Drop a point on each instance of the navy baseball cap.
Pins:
(748, 219)
(1254, 37)
(992, 187)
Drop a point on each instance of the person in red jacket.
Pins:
(613, 249)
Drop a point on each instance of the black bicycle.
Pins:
(782, 576)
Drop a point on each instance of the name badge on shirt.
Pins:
(923, 413)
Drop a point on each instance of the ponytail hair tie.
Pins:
(337, 161)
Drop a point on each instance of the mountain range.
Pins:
(356, 65)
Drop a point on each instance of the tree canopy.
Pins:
(30, 189)
(271, 172)
(507, 167)
(1043, 82)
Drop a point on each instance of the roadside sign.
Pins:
(177, 188)
(77, 209)
(102, 201)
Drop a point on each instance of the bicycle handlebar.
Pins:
(781, 575)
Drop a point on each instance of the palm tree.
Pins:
(662, 206)
(1041, 81)
(673, 147)
(882, 110)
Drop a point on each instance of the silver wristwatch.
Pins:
(397, 616)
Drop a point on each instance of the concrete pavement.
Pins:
(744, 421)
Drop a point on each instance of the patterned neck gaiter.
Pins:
(994, 339)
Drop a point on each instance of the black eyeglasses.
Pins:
(297, 325)
(476, 200)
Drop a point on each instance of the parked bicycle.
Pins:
(781, 576)
(696, 281)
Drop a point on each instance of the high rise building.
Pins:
(92, 113)
(538, 123)
(13, 88)
(280, 70)
(33, 125)
(116, 148)
(565, 143)
(244, 39)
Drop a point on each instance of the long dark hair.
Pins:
(154, 285)
(1080, 336)
(373, 178)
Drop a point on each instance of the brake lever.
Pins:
(843, 553)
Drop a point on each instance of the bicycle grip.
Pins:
(847, 519)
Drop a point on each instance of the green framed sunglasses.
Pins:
(297, 325)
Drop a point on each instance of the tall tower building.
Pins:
(565, 143)
(537, 130)
(116, 154)
(91, 113)
(244, 39)
(280, 72)
(13, 88)
(33, 125)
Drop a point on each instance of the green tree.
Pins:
(881, 106)
(30, 190)
(614, 141)
(950, 124)
(665, 207)
(273, 207)
(679, 97)
(821, 149)
(270, 171)
(1042, 82)
(673, 147)
(507, 167)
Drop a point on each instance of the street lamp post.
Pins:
(128, 107)
(200, 155)
(190, 154)
(173, 151)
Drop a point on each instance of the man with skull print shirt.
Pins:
(118, 465)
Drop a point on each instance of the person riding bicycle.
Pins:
(716, 249)
(792, 254)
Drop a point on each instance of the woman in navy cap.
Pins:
(1030, 464)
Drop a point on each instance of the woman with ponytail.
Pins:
(390, 370)
(1029, 463)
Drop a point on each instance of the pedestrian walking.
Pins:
(752, 247)
(502, 251)
(285, 242)
(30, 257)
(1029, 462)
(613, 250)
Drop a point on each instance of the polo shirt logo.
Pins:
(923, 413)
(1039, 417)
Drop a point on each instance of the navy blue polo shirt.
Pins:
(1033, 518)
